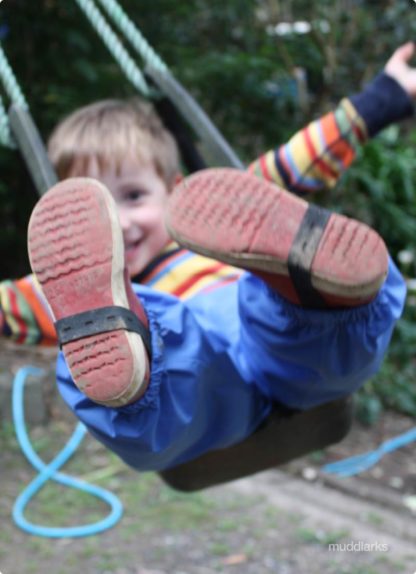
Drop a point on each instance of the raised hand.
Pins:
(398, 68)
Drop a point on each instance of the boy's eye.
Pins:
(134, 195)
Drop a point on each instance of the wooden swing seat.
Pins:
(282, 437)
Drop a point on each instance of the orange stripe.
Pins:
(315, 158)
(344, 152)
(330, 130)
(196, 277)
(44, 320)
(331, 133)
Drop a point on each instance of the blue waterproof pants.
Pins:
(220, 359)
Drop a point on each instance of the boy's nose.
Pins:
(124, 218)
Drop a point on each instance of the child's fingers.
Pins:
(400, 68)
(405, 52)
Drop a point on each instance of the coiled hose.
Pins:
(50, 472)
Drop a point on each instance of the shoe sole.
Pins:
(77, 254)
(239, 219)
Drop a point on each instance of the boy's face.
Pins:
(141, 196)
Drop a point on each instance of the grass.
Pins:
(57, 505)
(374, 518)
(321, 536)
(220, 549)
(361, 570)
(228, 525)
(8, 440)
(160, 529)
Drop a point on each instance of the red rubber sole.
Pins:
(239, 219)
(77, 254)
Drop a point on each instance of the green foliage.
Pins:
(223, 52)
(243, 74)
(380, 188)
(394, 386)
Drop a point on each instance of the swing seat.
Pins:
(283, 436)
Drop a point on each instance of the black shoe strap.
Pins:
(303, 252)
(101, 320)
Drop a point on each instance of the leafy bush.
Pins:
(226, 53)
(381, 189)
(228, 56)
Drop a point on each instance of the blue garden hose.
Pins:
(50, 472)
(361, 462)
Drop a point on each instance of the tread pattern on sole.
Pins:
(58, 245)
(235, 217)
(244, 213)
(71, 251)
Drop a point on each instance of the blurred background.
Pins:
(261, 69)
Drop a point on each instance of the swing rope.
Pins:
(17, 130)
(133, 35)
(10, 82)
(110, 39)
(215, 145)
(119, 52)
(211, 139)
(15, 93)
(5, 135)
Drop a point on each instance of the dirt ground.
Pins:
(283, 521)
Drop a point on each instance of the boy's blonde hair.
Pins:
(109, 131)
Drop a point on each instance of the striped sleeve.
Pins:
(25, 316)
(315, 157)
(185, 274)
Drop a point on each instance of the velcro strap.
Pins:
(303, 252)
(101, 320)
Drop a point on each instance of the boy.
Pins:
(307, 163)
(151, 257)
(160, 378)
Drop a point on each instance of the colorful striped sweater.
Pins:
(315, 157)
(312, 160)
(26, 317)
